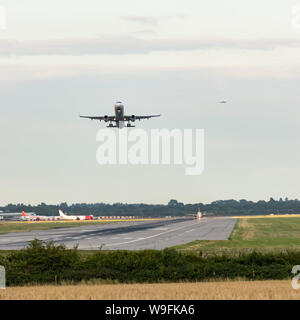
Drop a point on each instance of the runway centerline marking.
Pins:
(145, 238)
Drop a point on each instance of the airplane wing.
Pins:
(126, 118)
(105, 118)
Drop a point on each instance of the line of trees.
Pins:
(173, 208)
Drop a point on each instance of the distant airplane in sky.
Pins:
(119, 118)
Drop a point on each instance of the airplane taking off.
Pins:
(66, 217)
(199, 215)
(119, 118)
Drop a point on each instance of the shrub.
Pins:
(46, 263)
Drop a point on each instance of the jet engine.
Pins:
(132, 118)
(105, 118)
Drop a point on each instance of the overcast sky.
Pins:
(177, 58)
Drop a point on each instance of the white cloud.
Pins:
(14, 73)
(132, 45)
(144, 20)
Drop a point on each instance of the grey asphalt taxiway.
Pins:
(155, 234)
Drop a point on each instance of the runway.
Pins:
(127, 235)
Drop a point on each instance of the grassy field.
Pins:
(24, 226)
(254, 233)
(223, 290)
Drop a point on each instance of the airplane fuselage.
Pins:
(119, 113)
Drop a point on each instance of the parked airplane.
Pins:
(38, 218)
(119, 118)
(67, 217)
(10, 215)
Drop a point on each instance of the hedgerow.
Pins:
(46, 263)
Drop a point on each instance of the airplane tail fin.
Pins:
(24, 214)
(61, 213)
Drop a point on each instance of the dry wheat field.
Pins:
(224, 290)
